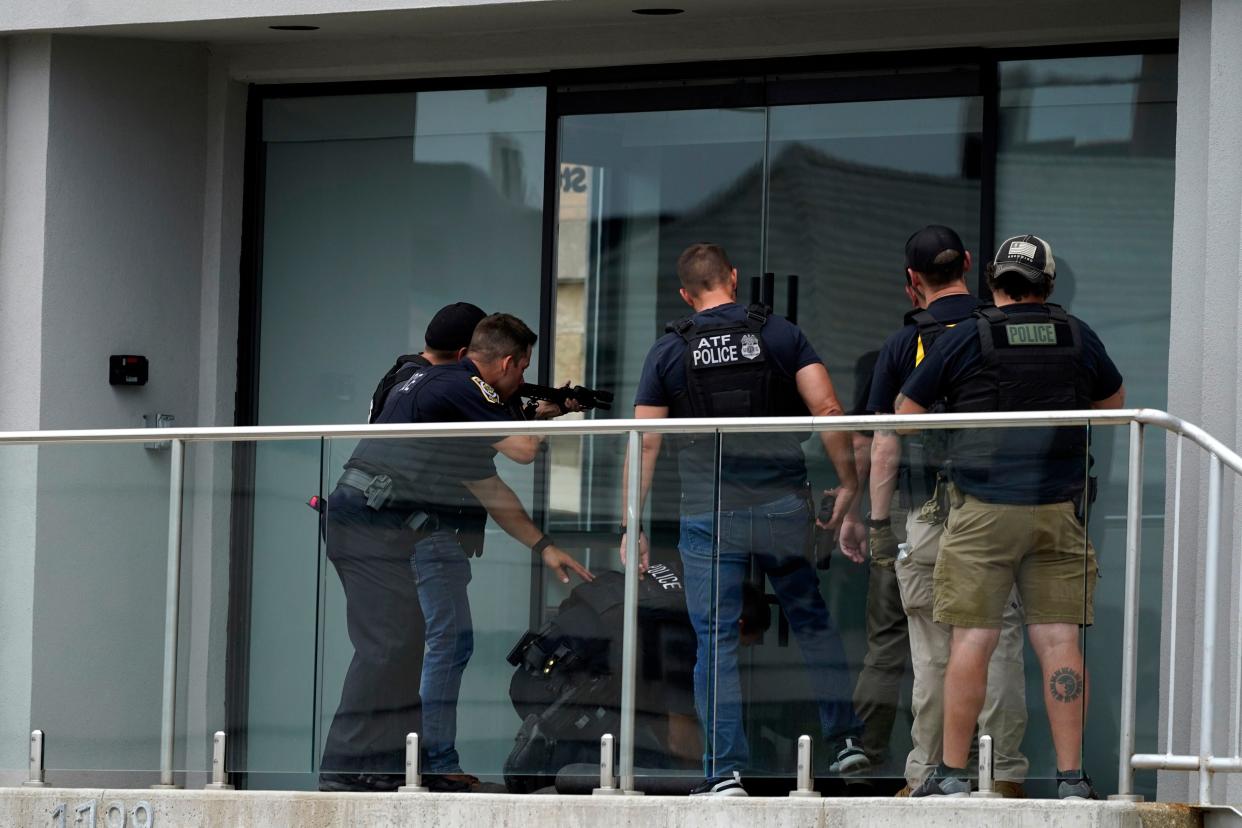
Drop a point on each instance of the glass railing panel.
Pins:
(857, 652)
(93, 543)
(1110, 451)
(271, 647)
(420, 636)
(19, 525)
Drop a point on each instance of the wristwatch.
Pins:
(622, 529)
(877, 523)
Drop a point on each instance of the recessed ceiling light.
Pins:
(658, 12)
(294, 28)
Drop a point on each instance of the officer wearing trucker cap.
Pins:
(1019, 501)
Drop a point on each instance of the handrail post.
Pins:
(1210, 580)
(806, 771)
(413, 775)
(172, 597)
(219, 777)
(607, 777)
(1129, 638)
(629, 644)
(37, 777)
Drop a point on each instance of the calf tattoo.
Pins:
(1065, 685)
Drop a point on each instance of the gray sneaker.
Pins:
(851, 759)
(937, 785)
(1075, 786)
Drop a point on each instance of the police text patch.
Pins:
(725, 349)
(1032, 333)
(489, 393)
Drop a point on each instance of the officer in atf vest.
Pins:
(899, 597)
(1019, 501)
(727, 360)
(380, 703)
(433, 496)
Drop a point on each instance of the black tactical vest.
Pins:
(728, 372)
(1031, 361)
(402, 369)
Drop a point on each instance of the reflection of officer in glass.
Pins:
(935, 283)
(436, 494)
(727, 360)
(1018, 501)
(365, 747)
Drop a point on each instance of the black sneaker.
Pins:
(1075, 785)
(941, 783)
(720, 786)
(851, 759)
(360, 782)
(459, 783)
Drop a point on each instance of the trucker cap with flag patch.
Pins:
(1029, 255)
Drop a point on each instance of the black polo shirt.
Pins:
(430, 472)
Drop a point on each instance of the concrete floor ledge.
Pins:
(37, 808)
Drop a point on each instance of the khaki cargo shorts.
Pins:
(988, 547)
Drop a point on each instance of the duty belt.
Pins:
(378, 489)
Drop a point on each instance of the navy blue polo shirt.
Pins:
(754, 469)
(901, 352)
(954, 358)
(430, 471)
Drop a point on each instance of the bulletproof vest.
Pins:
(1031, 360)
(924, 453)
(729, 373)
(402, 370)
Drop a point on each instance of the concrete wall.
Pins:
(122, 273)
(1204, 361)
(25, 69)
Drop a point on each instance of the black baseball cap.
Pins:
(935, 248)
(1029, 255)
(452, 326)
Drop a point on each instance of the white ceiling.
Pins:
(403, 38)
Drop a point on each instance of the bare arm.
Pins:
(650, 453)
(815, 388)
(1117, 400)
(520, 448)
(504, 507)
(885, 458)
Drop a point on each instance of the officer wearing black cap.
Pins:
(446, 339)
(380, 702)
(1018, 501)
(434, 496)
(899, 610)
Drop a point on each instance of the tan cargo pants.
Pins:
(1004, 709)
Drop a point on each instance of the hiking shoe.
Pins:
(942, 784)
(720, 786)
(905, 791)
(1009, 790)
(851, 760)
(459, 783)
(359, 782)
(1075, 785)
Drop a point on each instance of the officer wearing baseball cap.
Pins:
(899, 592)
(1018, 510)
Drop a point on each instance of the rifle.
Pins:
(585, 397)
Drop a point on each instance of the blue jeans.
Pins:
(777, 535)
(442, 571)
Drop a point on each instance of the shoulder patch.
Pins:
(488, 392)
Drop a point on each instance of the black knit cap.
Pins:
(452, 326)
(933, 249)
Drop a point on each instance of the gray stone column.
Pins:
(1204, 367)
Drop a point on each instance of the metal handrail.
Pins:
(1220, 456)
(688, 425)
